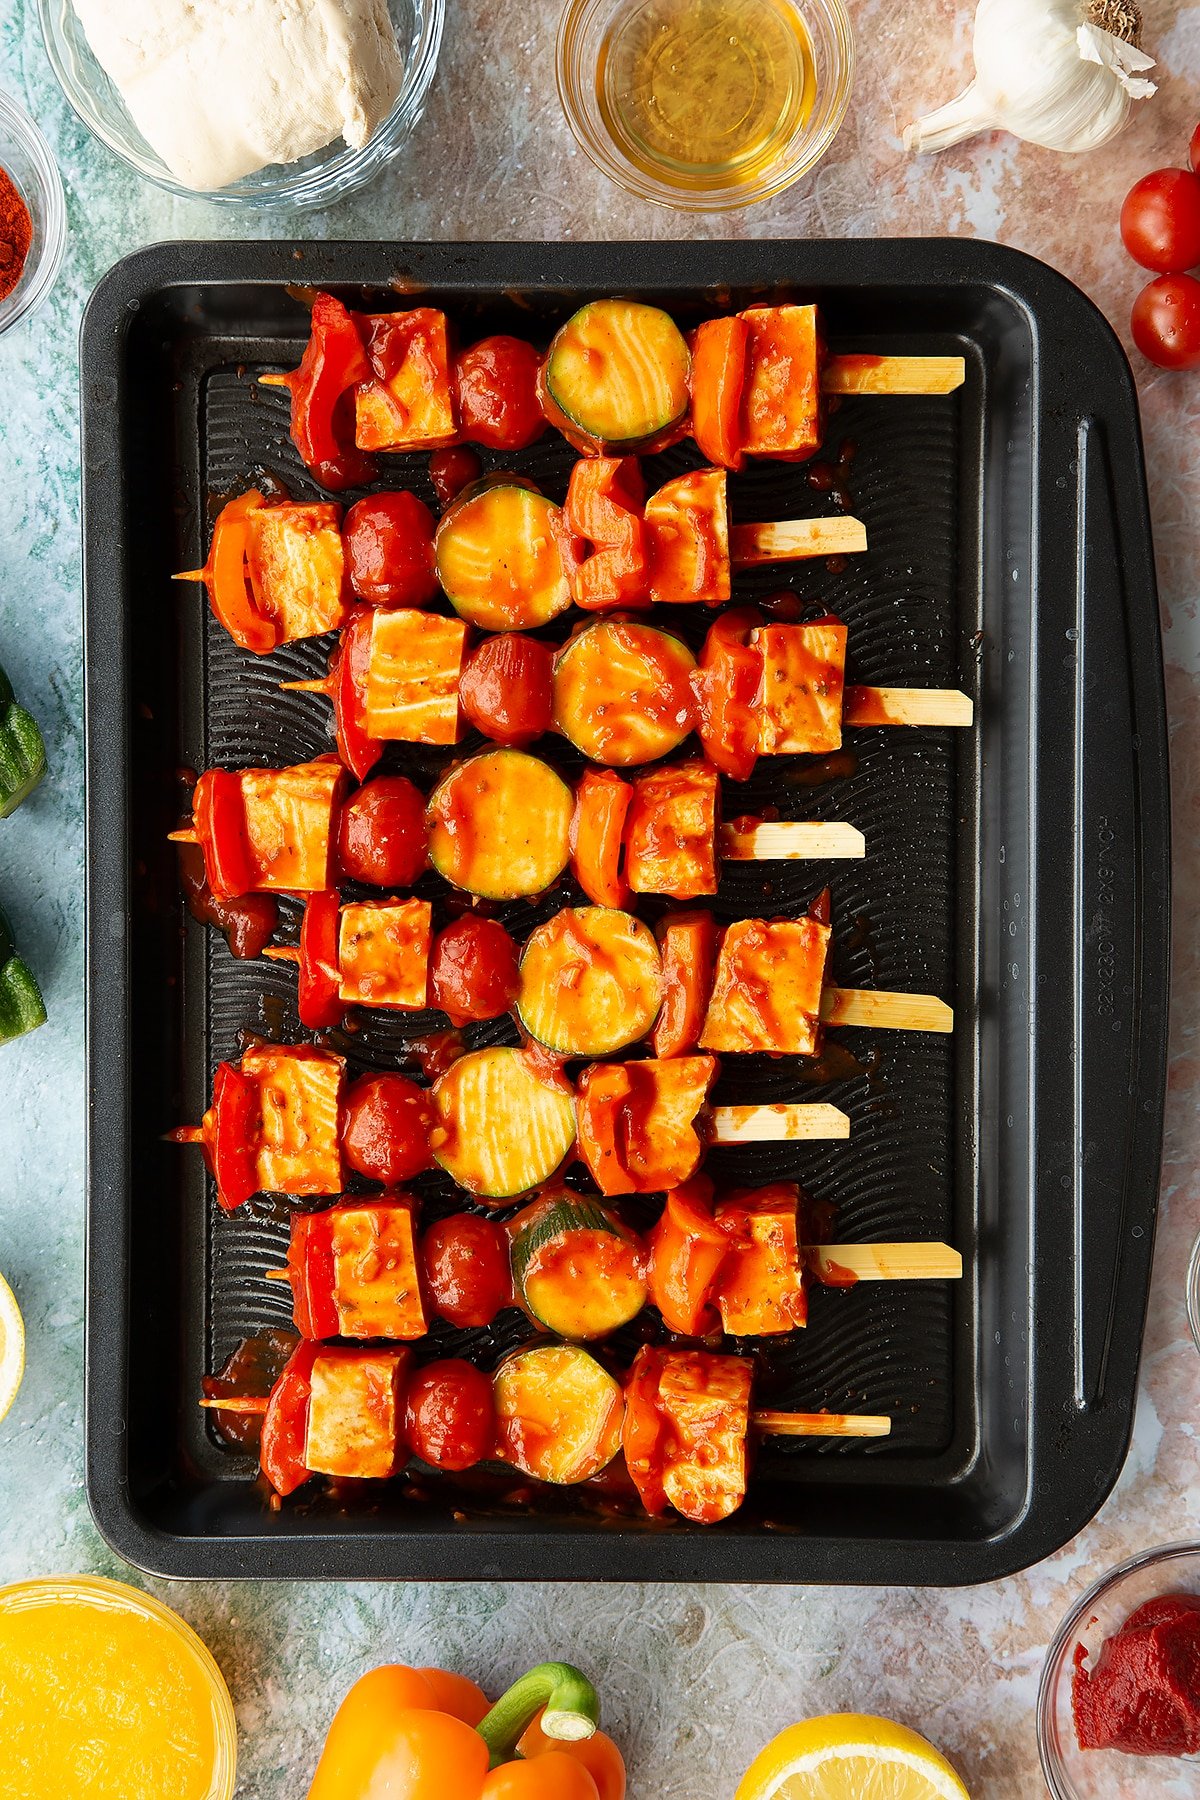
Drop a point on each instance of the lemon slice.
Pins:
(12, 1346)
(850, 1756)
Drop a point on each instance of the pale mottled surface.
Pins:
(694, 1680)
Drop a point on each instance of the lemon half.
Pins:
(850, 1756)
(12, 1346)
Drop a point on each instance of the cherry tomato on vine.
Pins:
(385, 1128)
(1160, 221)
(1166, 321)
(383, 834)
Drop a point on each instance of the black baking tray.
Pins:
(1021, 870)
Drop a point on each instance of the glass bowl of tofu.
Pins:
(250, 103)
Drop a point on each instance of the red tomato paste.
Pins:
(1143, 1695)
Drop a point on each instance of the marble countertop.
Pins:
(694, 1678)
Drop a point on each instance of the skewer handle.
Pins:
(791, 840)
(237, 1403)
(893, 374)
(906, 706)
(322, 686)
(791, 540)
(884, 1262)
(191, 575)
(778, 1124)
(184, 1134)
(784, 1424)
(189, 835)
(277, 1274)
(886, 1012)
(274, 379)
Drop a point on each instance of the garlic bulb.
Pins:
(1060, 73)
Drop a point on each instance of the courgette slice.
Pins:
(591, 981)
(502, 556)
(576, 1268)
(558, 1413)
(623, 692)
(500, 825)
(617, 378)
(499, 1130)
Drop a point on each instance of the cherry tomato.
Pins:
(1160, 220)
(506, 688)
(385, 1128)
(389, 550)
(1194, 150)
(383, 835)
(468, 1274)
(473, 970)
(449, 1414)
(496, 383)
(452, 470)
(1166, 321)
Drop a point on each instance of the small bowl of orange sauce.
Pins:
(106, 1694)
(705, 105)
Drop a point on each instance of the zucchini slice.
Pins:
(500, 825)
(617, 378)
(502, 556)
(576, 1268)
(591, 981)
(558, 1413)
(499, 1131)
(623, 692)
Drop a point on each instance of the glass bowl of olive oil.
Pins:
(705, 105)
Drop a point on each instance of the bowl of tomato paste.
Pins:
(1119, 1703)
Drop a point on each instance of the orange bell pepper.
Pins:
(688, 944)
(719, 349)
(726, 685)
(604, 504)
(226, 577)
(602, 801)
(422, 1734)
(687, 1249)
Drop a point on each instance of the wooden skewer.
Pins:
(788, 1424)
(778, 1123)
(238, 1403)
(278, 1274)
(189, 835)
(185, 1134)
(906, 706)
(789, 540)
(884, 1262)
(893, 374)
(289, 953)
(884, 1011)
(273, 380)
(788, 840)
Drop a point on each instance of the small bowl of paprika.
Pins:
(1119, 1704)
(33, 216)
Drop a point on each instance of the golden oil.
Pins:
(706, 92)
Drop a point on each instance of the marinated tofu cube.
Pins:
(705, 1401)
(671, 832)
(767, 989)
(800, 699)
(782, 414)
(297, 568)
(299, 1092)
(760, 1290)
(383, 953)
(686, 534)
(637, 1122)
(354, 1413)
(410, 403)
(289, 824)
(376, 1286)
(413, 671)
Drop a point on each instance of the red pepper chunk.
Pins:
(604, 505)
(358, 750)
(597, 836)
(354, 1271)
(687, 1249)
(219, 820)
(637, 1122)
(322, 389)
(727, 684)
(231, 1130)
(719, 348)
(285, 1424)
(310, 1269)
(688, 945)
(319, 1004)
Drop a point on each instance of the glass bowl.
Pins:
(316, 180)
(183, 1655)
(1193, 1293)
(25, 154)
(584, 32)
(1075, 1774)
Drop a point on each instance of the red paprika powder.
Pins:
(16, 234)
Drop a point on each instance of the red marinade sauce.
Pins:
(1143, 1695)
(248, 924)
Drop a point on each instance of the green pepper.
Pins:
(21, 1006)
(22, 752)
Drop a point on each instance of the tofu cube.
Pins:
(804, 674)
(289, 824)
(761, 1290)
(354, 1413)
(767, 989)
(705, 1401)
(300, 1092)
(413, 670)
(782, 414)
(410, 403)
(297, 568)
(383, 953)
(376, 1287)
(686, 528)
(671, 831)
